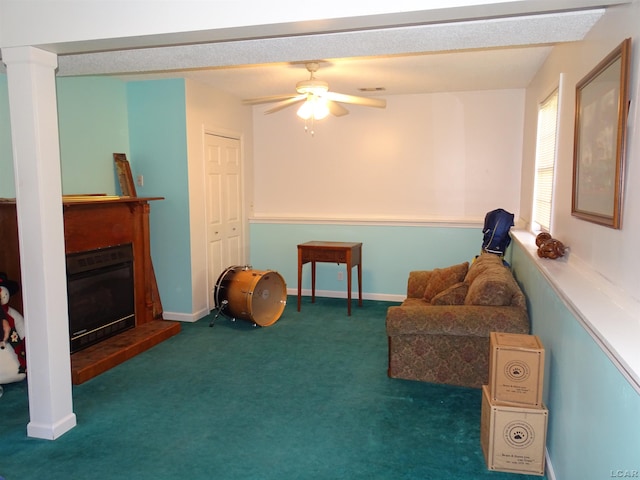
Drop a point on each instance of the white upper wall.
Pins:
(447, 157)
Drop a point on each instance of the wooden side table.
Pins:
(330, 252)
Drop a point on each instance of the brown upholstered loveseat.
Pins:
(440, 333)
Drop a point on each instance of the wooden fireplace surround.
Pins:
(90, 223)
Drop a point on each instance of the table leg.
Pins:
(349, 289)
(299, 278)
(360, 284)
(313, 282)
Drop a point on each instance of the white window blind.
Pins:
(545, 161)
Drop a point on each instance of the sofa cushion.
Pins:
(494, 287)
(482, 262)
(417, 282)
(443, 278)
(454, 295)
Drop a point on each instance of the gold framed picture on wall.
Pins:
(602, 105)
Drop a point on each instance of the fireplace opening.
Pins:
(100, 291)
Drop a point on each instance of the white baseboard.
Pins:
(185, 317)
(382, 297)
(48, 431)
(551, 475)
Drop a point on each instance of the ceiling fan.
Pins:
(315, 98)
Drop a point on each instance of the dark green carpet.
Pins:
(307, 398)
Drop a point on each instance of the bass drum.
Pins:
(256, 295)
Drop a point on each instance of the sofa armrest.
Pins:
(417, 283)
(462, 320)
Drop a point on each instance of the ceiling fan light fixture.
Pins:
(314, 108)
(315, 101)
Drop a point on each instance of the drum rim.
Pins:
(282, 303)
(221, 278)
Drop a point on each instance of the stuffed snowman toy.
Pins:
(13, 360)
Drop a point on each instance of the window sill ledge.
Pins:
(609, 314)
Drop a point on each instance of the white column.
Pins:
(36, 157)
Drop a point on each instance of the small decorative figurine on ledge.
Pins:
(549, 247)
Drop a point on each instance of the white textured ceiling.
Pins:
(401, 74)
(457, 56)
(483, 53)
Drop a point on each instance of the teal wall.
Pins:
(594, 413)
(389, 253)
(92, 117)
(158, 151)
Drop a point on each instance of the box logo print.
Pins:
(517, 371)
(519, 434)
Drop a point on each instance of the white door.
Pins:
(224, 207)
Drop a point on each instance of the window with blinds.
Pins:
(545, 162)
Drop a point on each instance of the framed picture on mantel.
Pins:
(123, 170)
(602, 103)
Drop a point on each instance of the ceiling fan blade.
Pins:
(269, 99)
(337, 109)
(364, 101)
(286, 103)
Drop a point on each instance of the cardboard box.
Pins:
(513, 438)
(516, 369)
